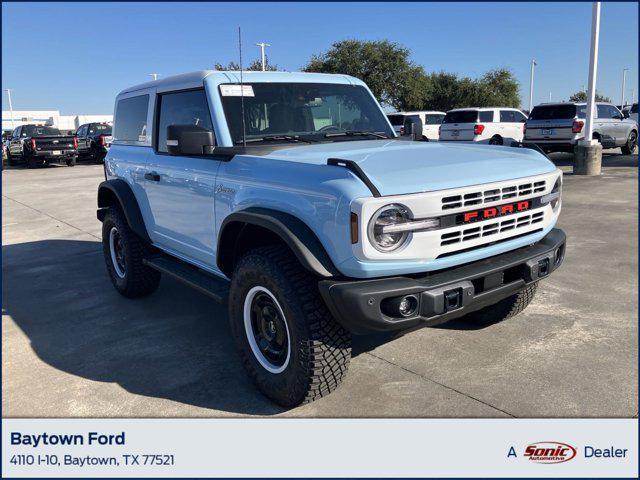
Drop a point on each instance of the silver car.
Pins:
(557, 127)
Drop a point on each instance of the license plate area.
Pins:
(548, 131)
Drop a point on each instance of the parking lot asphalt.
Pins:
(73, 347)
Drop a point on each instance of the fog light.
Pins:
(559, 255)
(403, 307)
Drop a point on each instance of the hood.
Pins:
(398, 167)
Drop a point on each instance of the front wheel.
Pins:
(289, 343)
(630, 147)
(506, 308)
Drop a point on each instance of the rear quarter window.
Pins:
(130, 122)
(486, 116)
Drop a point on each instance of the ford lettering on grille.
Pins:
(492, 212)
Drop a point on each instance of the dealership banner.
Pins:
(281, 447)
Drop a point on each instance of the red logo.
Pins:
(549, 452)
(491, 212)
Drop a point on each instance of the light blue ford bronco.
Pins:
(288, 196)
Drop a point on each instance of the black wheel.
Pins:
(506, 308)
(71, 162)
(31, 161)
(496, 140)
(291, 346)
(11, 160)
(124, 252)
(630, 147)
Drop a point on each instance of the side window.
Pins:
(16, 133)
(181, 108)
(614, 112)
(82, 131)
(519, 117)
(508, 116)
(602, 111)
(486, 116)
(130, 122)
(90, 129)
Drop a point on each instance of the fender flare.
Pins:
(302, 241)
(121, 190)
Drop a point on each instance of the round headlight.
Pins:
(388, 215)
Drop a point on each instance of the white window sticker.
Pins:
(234, 91)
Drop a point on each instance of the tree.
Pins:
(581, 96)
(254, 66)
(383, 65)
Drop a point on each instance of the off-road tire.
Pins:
(139, 280)
(11, 159)
(507, 308)
(71, 162)
(320, 349)
(629, 147)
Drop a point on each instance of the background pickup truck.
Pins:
(39, 145)
(94, 140)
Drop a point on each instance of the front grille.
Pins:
(488, 229)
(493, 195)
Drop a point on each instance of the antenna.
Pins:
(244, 139)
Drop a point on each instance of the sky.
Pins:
(75, 57)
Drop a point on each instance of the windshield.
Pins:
(554, 112)
(311, 110)
(36, 131)
(461, 116)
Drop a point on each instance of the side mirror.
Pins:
(625, 114)
(189, 140)
(413, 128)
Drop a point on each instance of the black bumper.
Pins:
(441, 296)
(48, 155)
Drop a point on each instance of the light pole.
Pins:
(9, 90)
(154, 75)
(533, 66)
(588, 152)
(624, 80)
(262, 45)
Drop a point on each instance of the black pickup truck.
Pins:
(94, 140)
(37, 145)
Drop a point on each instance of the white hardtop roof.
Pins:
(192, 79)
(415, 112)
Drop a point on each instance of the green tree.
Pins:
(581, 96)
(254, 66)
(498, 88)
(383, 65)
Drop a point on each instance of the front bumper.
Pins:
(441, 296)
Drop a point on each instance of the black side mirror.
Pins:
(189, 140)
(625, 114)
(413, 128)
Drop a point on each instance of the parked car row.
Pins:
(554, 127)
(36, 145)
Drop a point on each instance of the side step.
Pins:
(207, 283)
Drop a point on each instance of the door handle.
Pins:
(153, 176)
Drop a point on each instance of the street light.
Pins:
(624, 78)
(533, 65)
(9, 90)
(262, 45)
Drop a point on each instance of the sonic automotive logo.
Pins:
(549, 452)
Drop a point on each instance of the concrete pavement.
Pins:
(71, 346)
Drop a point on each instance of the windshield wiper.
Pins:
(356, 133)
(274, 138)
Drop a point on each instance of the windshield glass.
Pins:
(302, 109)
(461, 116)
(551, 112)
(36, 131)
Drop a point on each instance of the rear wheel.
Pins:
(289, 343)
(496, 140)
(630, 147)
(507, 308)
(31, 161)
(71, 162)
(124, 254)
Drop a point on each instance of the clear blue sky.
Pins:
(75, 57)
